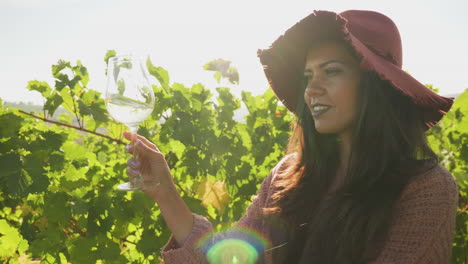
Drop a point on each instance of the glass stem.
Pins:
(137, 180)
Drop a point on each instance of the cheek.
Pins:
(347, 98)
(306, 99)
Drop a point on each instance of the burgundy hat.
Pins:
(374, 37)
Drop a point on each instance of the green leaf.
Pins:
(81, 71)
(81, 251)
(219, 65)
(53, 140)
(223, 69)
(10, 125)
(56, 208)
(41, 87)
(109, 251)
(147, 241)
(75, 86)
(11, 240)
(218, 75)
(36, 173)
(57, 68)
(195, 205)
(52, 103)
(10, 164)
(431, 87)
(159, 73)
(461, 103)
(67, 98)
(109, 54)
(92, 104)
(233, 75)
(74, 151)
(18, 183)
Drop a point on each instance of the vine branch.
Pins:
(75, 127)
(73, 223)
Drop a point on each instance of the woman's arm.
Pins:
(424, 221)
(187, 228)
(159, 185)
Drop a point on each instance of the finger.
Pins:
(133, 137)
(129, 148)
(146, 151)
(147, 142)
(133, 164)
(132, 173)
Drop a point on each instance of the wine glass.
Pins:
(129, 99)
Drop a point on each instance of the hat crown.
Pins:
(377, 31)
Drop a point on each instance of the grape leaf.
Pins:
(214, 194)
(11, 123)
(159, 73)
(41, 87)
(53, 102)
(10, 239)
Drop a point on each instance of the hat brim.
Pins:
(284, 62)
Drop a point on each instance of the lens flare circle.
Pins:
(231, 251)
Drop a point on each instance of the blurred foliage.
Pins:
(59, 202)
(223, 69)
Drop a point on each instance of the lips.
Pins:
(319, 109)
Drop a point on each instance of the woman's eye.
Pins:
(332, 71)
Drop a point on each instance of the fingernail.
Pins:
(139, 142)
(135, 163)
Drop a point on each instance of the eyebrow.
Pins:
(323, 64)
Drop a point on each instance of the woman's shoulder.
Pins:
(284, 164)
(431, 181)
(280, 167)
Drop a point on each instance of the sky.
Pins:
(182, 35)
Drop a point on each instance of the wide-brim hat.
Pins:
(375, 39)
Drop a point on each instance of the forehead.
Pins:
(330, 50)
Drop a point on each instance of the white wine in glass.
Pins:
(129, 99)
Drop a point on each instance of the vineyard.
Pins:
(58, 177)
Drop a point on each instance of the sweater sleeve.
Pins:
(423, 225)
(201, 238)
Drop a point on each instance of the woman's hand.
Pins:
(150, 163)
(159, 185)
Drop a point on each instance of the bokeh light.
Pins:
(232, 251)
(236, 245)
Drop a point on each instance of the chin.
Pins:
(326, 127)
(325, 132)
(321, 129)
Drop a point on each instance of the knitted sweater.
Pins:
(421, 230)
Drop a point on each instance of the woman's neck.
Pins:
(345, 151)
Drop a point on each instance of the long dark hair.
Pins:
(350, 224)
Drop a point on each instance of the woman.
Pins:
(359, 183)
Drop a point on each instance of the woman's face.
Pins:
(332, 77)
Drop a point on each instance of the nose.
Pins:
(314, 89)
